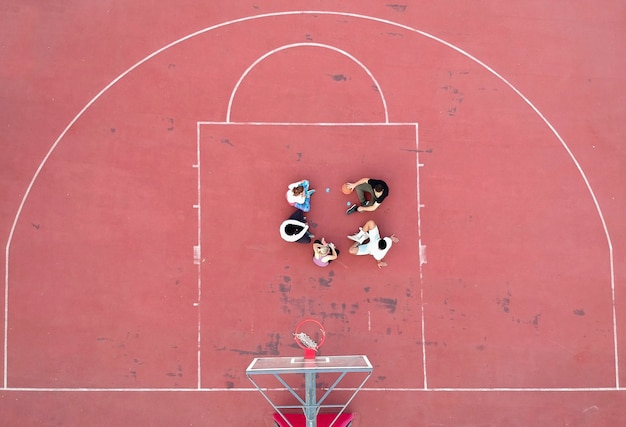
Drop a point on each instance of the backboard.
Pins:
(283, 368)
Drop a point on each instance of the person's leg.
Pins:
(362, 249)
(298, 215)
(354, 249)
(306, 206)
(306, 238)
(361, 189)
(369, 225)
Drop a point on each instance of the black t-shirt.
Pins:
(374, 183)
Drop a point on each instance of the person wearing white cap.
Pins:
(368, 242)
(295, 229)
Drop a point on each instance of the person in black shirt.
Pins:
(377, 190)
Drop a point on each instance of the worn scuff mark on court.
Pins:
(534, 321)
(230, 378)
(333, 315)
(339, 77)
(505, 302)
(270, 348)
(285, 289)
(389, 303)
(355, 308)
(178, 373)
(457, 97)
(397, 7)
(227, 142)
(325, 282)
(579, 312)
(336, 312)
(413, 150)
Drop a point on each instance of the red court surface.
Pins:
(146, 155)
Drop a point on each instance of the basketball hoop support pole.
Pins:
(311, 408)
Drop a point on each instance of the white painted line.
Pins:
(199, 261)
(295, 45)
(196, 255)
(423, 259)
(293, 13)
(231, 123)
(370, 389)
(419, 242)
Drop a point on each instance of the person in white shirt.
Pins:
(299, 195)
(368, 242)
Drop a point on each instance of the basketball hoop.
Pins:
(309, 335)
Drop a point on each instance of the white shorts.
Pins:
(371, 247)
(366, 248)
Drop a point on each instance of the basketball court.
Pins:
(147, 152)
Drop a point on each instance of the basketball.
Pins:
(345, 189)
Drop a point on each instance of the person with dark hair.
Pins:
(295, 228)
(375, 188)
(368, 242)
(299, 195)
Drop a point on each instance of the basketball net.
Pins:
(310, 335)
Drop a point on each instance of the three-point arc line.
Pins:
(295, 13)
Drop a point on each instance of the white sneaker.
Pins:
(359, 237)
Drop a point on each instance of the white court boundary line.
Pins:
(311, 124)
(290, 46)
(370, 389)
(198, 260)
(292, 13)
